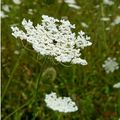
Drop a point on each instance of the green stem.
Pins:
(59, 9)
(35, 104)
(11, 75)
(104, 43)
(59, 115)
(74, 73)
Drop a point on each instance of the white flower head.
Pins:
(84, 25)
(119, 7)
(70, 1)
(61, 104)
(16, 52)
(116, 21)
(72, 4)
(117, 85)
(30, 11)
(105, 19)
(108, 2)
(97, 6)
(54, 38)
(110, 65)
(2, 48)
(2, 14)
(6, 8)
(107, 28)
(17, 2)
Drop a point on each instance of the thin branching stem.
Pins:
(35, 104)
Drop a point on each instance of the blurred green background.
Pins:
(89, 86)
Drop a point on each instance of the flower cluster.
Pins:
(110, 65)
(17, 2)
(84, 25)
(105, 19)
(2, 14)
(117, 85)
(72, 3)
(5, 9)
(116, 21)
(108, 2)
(54, 38)
(60, 104)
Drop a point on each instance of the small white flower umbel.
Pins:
(60, 104)
(110, 65)
(108, 2)
(116, 21)
(17, 2)
(72, 4)
(117, 85)
(54, 38)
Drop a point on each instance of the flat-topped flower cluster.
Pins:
(110, 65)
(117, 85)
(72, 4)
(54, 38)
(60, 104)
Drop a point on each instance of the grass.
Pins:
(89, 86)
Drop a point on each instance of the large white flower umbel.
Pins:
(60, 104)
(54, 38)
